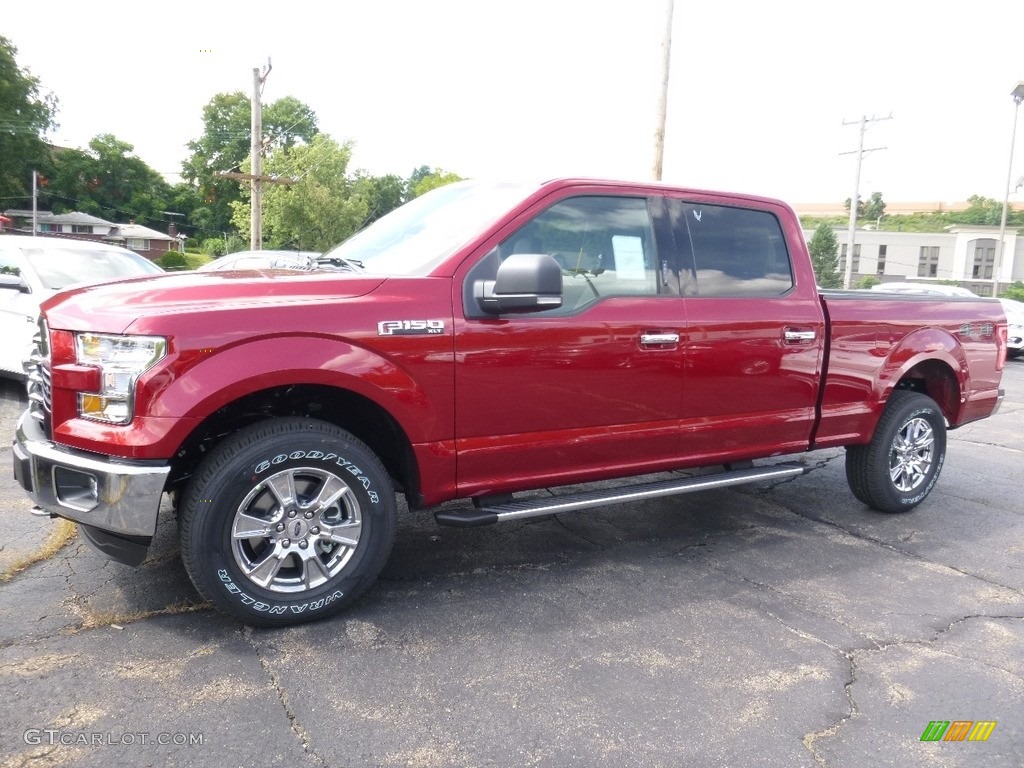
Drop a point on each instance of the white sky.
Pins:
(539, 88)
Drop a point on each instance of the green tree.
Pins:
(225, 147)
(25, 117)
(321, 208)
(867, 281)
(860, 207)
(432, 180)
(1014, 291)
(384, 194)
(981, 210)
(415, 178)
(184, 201)
(824, 249)
(108, 181)
(874, 208)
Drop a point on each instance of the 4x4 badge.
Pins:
(409, 327)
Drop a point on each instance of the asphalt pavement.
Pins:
(780, 624)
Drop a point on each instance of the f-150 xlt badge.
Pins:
(409, 327)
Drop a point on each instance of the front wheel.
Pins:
(899, 467)
(287, 521)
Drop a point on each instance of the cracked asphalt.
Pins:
(773, 625)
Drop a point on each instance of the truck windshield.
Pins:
(415, 238)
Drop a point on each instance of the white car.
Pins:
(262, 260)
(1014, 310)
(927, 289)
(34, 268)
(1015, 321)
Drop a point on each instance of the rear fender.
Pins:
(933, 357)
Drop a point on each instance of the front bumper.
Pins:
(116, 497)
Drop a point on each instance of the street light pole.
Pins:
(1018, 97)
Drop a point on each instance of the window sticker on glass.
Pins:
(629, 257)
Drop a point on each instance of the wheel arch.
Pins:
(364, 418)
(930, 361)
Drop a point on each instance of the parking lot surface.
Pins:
(773, 625)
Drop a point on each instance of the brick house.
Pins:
(82, 226)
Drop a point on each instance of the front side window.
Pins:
(604, 246)
(735, 251)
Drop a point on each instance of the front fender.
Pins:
(174, 397)
(222, 376)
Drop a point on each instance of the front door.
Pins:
(574, 392)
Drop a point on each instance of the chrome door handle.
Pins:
(795, 337)
(659, 338)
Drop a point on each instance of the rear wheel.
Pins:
(287, 521)
(899, 467)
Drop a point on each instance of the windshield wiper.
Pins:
(339, 262)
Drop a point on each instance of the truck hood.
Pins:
(114, 307)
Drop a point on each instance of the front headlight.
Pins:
(121, 360)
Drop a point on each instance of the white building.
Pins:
(963, 252)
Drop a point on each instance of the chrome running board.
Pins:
(487, 514)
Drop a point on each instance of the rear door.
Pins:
(756, 333)
(589, 389)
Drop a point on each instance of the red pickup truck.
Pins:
(485, 339)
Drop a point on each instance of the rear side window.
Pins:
(735, 251)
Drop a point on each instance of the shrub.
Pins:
(172, 260)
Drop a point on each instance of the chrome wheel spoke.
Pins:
(346, 533)
(314, 572)
(282, 486)
(331, 491)
(264, 571)
(249, 527)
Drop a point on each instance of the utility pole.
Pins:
(35, 208)
(659, 131)
(256, 150)
(855, 200)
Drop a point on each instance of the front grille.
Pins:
(37, 368)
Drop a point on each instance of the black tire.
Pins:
(321, 510)
(899, 467)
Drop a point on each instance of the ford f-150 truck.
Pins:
(483, 340)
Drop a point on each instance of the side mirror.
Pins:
(526, 282)
(14, 283)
